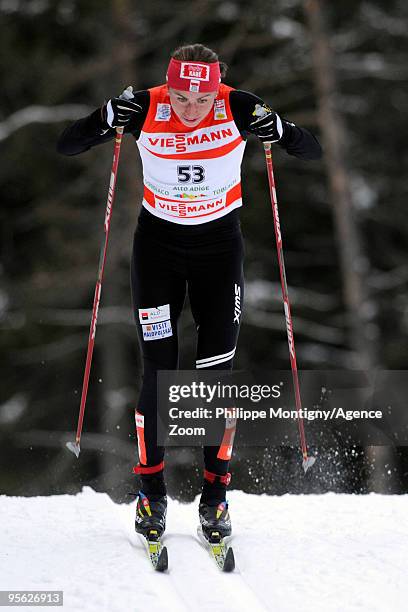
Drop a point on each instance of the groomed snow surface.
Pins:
(311, 553)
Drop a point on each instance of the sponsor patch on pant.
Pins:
(155, 314)
(157, 331)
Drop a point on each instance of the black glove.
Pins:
(117, 112)
(267, 124)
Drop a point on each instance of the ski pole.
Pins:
(307, 461)
(74, 447)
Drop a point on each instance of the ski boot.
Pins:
(215, 521)
(213, 509)
(150, 518)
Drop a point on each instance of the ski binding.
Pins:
(219, 550)
(156, 551)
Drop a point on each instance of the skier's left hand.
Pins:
(267, 124)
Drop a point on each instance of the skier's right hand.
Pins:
(118, 112)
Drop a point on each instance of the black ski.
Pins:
(157, 553)
(219, 550)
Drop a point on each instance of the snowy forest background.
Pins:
(336, 68)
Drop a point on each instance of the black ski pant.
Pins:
(168, 261)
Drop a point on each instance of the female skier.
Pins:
(191, 134)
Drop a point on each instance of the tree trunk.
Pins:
(354, 265)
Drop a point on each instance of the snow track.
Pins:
(315, 553)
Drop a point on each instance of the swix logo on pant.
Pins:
(154, 314)
(157, 331)
(237, 308)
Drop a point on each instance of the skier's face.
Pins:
(191, 107)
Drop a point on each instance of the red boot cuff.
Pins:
(144, 469)
(211, 477)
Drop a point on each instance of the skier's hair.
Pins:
(198, 53)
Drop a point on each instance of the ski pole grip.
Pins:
(127, 94)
